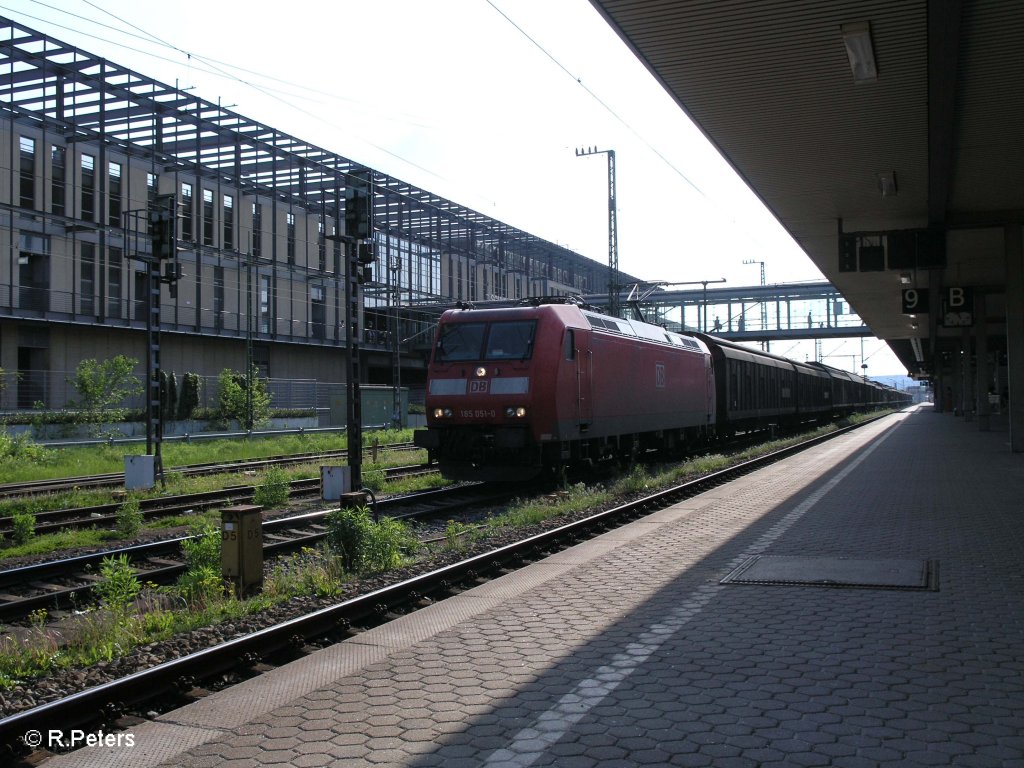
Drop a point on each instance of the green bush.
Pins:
(38, 418)
(200, 586)
(347, 533)
(453, 535)
(120, 585)
(168, 395)
(24, 527)
(293, 413)
(21, 447)
(234, 399)
(188, 400)
(273, 491)
(203, 549)
(201, 583)
(374, 479)
(102, 385)
(364, 545)
(390, 543)
(128, 519)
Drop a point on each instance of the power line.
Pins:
(597, 98)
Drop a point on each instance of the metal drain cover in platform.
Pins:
(836, 572)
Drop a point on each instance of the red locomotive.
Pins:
(515, 391)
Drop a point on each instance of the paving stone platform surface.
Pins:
(627, 650)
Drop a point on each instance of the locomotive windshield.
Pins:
(510, 341)
(460, 342)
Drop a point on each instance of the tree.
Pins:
(188, 401)
(102, 385)
(235, 402)
(172, 397)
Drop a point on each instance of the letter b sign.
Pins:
(958, 299)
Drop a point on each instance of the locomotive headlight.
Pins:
(515, 413)
(442, 413)
(520, 412)
(481, 371)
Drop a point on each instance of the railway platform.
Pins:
(872, 615)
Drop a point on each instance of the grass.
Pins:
(646, 480)
(178, 484)
(75, 461)
(55, 542)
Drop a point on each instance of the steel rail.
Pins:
(164, 506)
(108, 479)
(439, 500)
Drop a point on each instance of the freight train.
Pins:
(519, 391)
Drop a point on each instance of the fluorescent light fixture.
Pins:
(887, 183)
(857, 38)
(915, 345)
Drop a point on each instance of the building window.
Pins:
(88, 187)
(261, 359)
(207, 217)
(87, 280)
(27, 166)
(114, 274)
(141, 291)
(150, 187)
(317, 312)
(58, 169)
(187, 232)
(264, 303)
(229, 223)
(218, 298)
(34, 272)
(114, 192)
(290, 218)
(321, 246)
(257, 229)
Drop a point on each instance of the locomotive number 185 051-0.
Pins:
(479, 413)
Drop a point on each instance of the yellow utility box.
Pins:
(241, 551)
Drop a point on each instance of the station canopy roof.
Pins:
(885, 137)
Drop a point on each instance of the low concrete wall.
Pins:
(51, 432)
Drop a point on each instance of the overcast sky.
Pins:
(480, 101)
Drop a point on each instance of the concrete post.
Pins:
(968, 371)
(938, 376)
(957, 382)
(1012, 247)
(984, 380)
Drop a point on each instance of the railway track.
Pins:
(114, 479)
(59, 585)
(102, 705)
(105, 515)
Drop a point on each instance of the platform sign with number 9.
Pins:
(915, 301)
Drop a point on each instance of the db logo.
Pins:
(478, 387)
